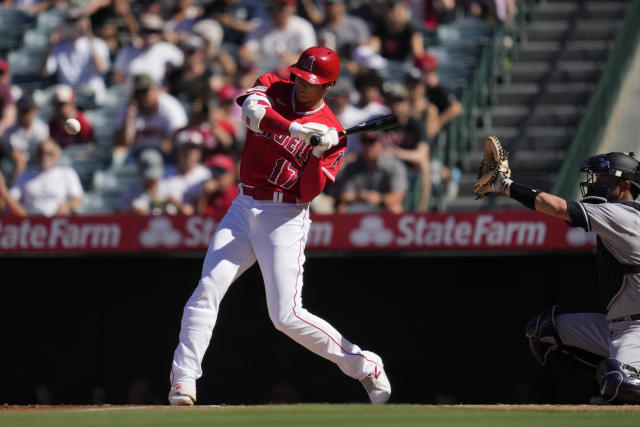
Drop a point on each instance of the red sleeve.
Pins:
(317, 171)
(272, 122)
(332, 159)
(312, 180)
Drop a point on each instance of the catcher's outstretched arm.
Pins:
(542, 202)
(494, 177)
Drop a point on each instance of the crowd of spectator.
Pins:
(184, 62)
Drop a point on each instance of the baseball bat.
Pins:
(376, 124)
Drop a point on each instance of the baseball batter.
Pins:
(609, 210)
(269, 221)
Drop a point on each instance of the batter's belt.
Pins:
(257, 193)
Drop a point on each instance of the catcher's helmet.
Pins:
(317, 65)
(618, 165)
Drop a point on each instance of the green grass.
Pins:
(322, 415)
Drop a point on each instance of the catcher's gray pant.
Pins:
(594, 333)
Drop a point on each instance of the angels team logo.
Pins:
(308, 65)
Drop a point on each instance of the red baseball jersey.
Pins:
(276, 161)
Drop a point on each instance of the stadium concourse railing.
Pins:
(590, 132)
(455, 142)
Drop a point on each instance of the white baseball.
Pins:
(72, 126)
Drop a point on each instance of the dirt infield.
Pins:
(536, 407)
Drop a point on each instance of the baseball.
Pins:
(72, 126)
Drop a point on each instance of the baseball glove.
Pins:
(494, 162)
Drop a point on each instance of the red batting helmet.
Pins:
(317, 65)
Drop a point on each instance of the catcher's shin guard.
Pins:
(619, 383)
(540, 327)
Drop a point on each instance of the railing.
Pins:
(591, 129)
(460, 135)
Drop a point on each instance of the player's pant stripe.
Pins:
(301, 249)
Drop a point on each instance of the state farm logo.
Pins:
(371, 231)
(160, 232)
(59, 234)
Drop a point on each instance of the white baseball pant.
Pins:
(275, 235)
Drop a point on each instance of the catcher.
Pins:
(609, 210)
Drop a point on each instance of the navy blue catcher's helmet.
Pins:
(611, 165)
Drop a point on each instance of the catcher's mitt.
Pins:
(494, 162)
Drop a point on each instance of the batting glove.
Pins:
(328, 140)
(307, 130)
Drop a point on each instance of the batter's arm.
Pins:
(258, 113)
(312, 180)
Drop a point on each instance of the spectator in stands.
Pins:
(230, 111)
(490, 11)
(150, 119)
(375, 181)
(449, 108)
(219, 61)
(364, 57)
(193, 82)
(368, 83)
(184, 183)
(77, 57)
(278, 42)
(223, 123)
(114, 22)
(408, 142)
(340, 99)
(64, 107)
(246, 75)
(436, 12)
(218, 191)
(424, 76)
(347, 113)
(10, 160)
(396, 37)
(147, 197)
(27, 134)
(421, 108)
(30, 7)
(7, 102)
(341, 31)
(154, 57)
(238, 18)
(50, 190)
(311, 10)
(181, 20)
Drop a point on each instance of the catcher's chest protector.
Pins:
(611, 272)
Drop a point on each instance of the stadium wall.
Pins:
(103, 328)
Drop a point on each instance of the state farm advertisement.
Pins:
(469, 231)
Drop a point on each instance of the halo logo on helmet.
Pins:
(603, 169)
(317, 65)
(309, 64)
